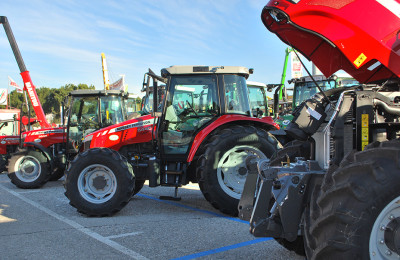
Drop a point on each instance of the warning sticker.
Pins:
(360, 60)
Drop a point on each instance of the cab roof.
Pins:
(361, 37)
(256, 84)
(189, 69)
(96, 92)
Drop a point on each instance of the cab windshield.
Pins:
(258, 100)
(111, 110)
(305, 90)
(90, 113)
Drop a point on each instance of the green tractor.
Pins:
(304, 88)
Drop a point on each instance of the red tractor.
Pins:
(202, 132)
(45, 152)
(333, 192)
(11, 124)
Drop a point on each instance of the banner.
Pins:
(3, 96)
(297, 68)
(118, 85)
(12, 83)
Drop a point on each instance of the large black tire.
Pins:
(99, 182)
(28, 169)
(354, 202)
(138, 186)
(222, 185)
(3, 162)
(296, 246)
(57, 174)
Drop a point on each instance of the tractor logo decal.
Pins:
(32, 95)
(11, 139)
(137, 124)
(48, 132)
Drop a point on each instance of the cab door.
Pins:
(192, 102)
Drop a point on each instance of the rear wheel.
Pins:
(222, 169)
(28, 169)
(3, 162)
(57, 174)
(357, 212)
(99, 182)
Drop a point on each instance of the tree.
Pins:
(50, 98)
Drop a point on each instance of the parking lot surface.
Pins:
(40, 224)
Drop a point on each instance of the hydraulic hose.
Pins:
(389, 109)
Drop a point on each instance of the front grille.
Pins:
(86, 145)
(331, 147)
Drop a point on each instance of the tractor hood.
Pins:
(361, 37)
(137, 130)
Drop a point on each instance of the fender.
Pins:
(266, 122)
(46, 151)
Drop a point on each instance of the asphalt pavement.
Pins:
(40, 224)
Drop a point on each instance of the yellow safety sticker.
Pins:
(364, 120)
(360, 60)
(364, 131)
(364, 134)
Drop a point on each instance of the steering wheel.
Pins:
(88, 121)
(191, 108)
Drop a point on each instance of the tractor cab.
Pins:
(304, 87)
(90, 110)
(258, 98)
(197, 96)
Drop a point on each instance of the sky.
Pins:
(61, 41)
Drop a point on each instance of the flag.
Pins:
(12, 83)
(297, 68)
(3, 96)
(119, 84)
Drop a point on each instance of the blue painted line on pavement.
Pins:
(192, 208)
(222, 249)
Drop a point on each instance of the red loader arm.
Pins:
(28, 85)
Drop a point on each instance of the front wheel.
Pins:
(99, 182)
(222, 169)
(29, 169)
(357, 212)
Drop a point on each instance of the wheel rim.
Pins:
(385, 232)
(232, 171)
(97, 183)
(28, 168)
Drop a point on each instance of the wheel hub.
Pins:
(232, 170)
(28, 168)
(392, 235)
(99, 182)
(242, 171)
(384, 241)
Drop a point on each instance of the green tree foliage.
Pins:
(50, 98)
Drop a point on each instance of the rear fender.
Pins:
(266, 123)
